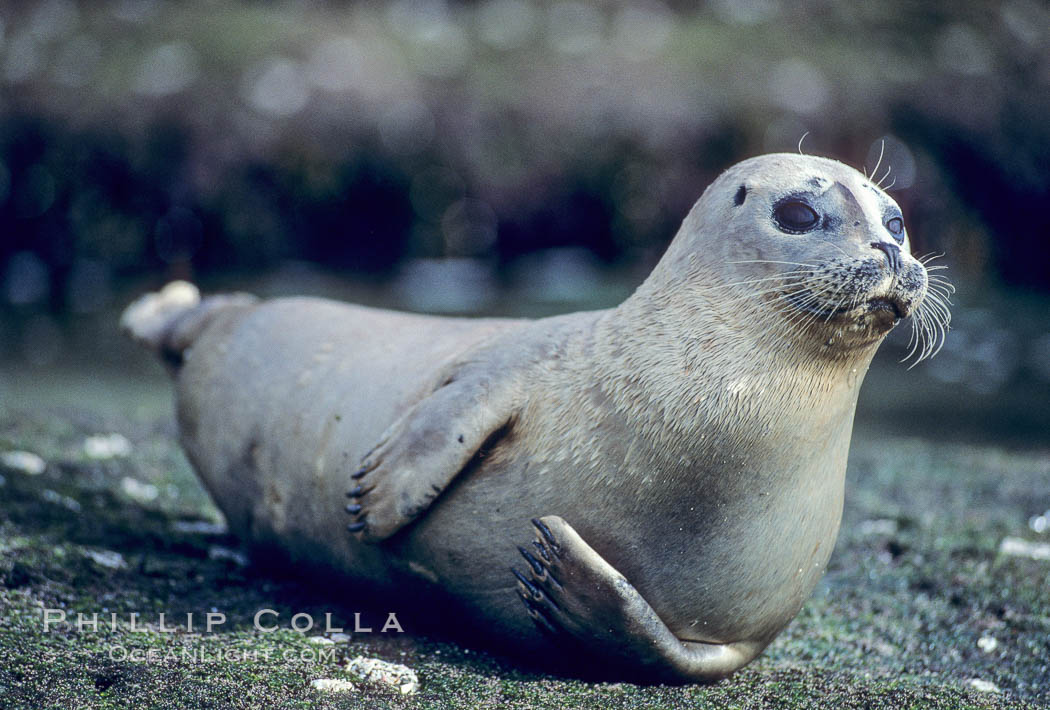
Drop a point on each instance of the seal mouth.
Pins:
(884, 304)
(803, 301)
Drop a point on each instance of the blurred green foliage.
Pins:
(173, 138)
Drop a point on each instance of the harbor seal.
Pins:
(679, 459)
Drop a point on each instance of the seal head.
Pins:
(812, 238)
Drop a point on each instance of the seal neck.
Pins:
(688, 360)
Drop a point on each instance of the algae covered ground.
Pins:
(923, 605)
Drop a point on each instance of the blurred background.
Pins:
(516, 157)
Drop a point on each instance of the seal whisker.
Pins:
(931, 323)
(804, 313)
(769, 261)
(882, 151)
(937, 281)
(937, 332)
(779, 289)
(800, 287)
(939, 307)
(928, 257)
(832, 311)
(943, 290)
(939, 301)
(925, 335)
(786, 300)
(912, 338)
(940, 298)
(886, 175)
(751, 282)
(740, 299)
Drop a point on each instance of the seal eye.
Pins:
(795, 216)
(896, 227)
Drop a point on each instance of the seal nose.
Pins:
(893, 254)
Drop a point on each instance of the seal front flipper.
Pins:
(571, 591)
(420, 454)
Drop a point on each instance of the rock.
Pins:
(24, 461)
(338, 637)
(198, 527)
(1018, 547)
(139, 491)
(107, 558)
(332, 685)
(985, 686)
(320, 641)
(393, 674)
(1040, 523)
(987, 643)
(215, 552)
(106, 446)
(58, 499)
(880, 526)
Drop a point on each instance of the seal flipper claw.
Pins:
(584, 598)
(528, 590)
(548, 536)
(537, 568)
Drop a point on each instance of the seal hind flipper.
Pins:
(169, 321)
(423, 451)
(571, 592)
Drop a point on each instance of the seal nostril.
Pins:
(893, 254)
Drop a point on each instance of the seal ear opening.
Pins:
(741, 193)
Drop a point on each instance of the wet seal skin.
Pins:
(653, 489)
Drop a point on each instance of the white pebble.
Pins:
(340, 637)
(139, 491)
(987, 643)
(107, 558)
(58, 499)
(320, 641)
(107, 446)
(215, 552)
(332, 685)
(25, 461)
(393, 674)
(198, 527)
(1018, 547)
(881, 526)
(985, 686)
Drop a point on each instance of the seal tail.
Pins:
(169, 321)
